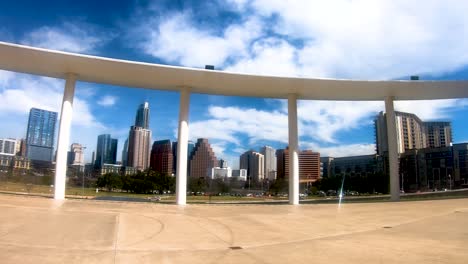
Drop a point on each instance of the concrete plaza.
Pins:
(42, 230)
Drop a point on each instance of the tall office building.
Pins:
(40, 134)
(161, 157)
(254, 163)
(8, 147)
(309, 165)
(76, 154)
(139, 140)
(125, 153)
(439, 134)
(106, 151)
(412, 133)
(270, 162)
(142, 116)
(282, 163)
(190, 147)
(202, 160)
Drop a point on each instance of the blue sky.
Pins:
(330, 39)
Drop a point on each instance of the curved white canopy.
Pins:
(56, 64)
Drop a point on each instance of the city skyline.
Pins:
(268, 42)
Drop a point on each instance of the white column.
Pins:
(64, 136)
(293, 150)
(182, 147)
(392, 150)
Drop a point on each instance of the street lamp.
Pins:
(450, 182)
(83, 174)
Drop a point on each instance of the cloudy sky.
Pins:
(359, 39)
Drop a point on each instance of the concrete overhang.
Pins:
(102, 70)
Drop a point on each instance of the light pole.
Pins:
(450, 182)
(83, 174)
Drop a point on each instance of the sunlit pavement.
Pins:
(41, 230)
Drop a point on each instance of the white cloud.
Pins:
(176, 40)
(431, 109)
(341, 150)
(346, 39)
(107, 100)
(373, 39)
(67, 37)
(226, 123)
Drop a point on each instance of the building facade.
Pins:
(202, 159)
(106, 151)
(8, 147)
(438, 134)
(412, 133)
(161, 157)
(142, 116)
(220, 173)
(270, 162)
(254, 163)
(139, 141)
(190, 147)
(76, 155)
(40, 135)
(309, 165)
(125, 153)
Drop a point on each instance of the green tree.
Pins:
(110, 181)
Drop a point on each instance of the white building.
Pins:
(219, 173)
(8, 147)
(269, 154)
(240, 174)
(254, 163)
(76, 154)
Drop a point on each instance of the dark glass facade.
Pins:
(40, 135)
(106, 151)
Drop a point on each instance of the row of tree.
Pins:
(148, 181)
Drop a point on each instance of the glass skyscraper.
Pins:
(142, 116)
(106, 151)
(40, 135)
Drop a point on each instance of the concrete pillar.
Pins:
(392, 150)
(64, 137)
(182, 147)
(293, 150)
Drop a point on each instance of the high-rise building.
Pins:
(412, 133)
(125, 153)
(161, 157)
(142, 116)
(270, 162)
(439, 134)
(8, 147)
(139, 141)
(309, 165)
(190, 147)
(106, 151)
(76, 155)
(22, 148)
(202, 160)
(254, 163)
(40, 134)
(282, 163)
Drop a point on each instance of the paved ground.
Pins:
(41, 230)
